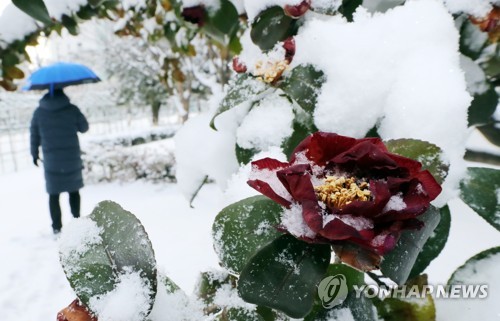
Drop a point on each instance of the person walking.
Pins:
(54, 127)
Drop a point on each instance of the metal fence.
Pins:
(105, 118)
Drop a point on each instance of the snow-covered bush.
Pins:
(352, 125)
(149, 157)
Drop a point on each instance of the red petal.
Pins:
(321, 147)
(369, 158)
(269, 163)
(297, 181)
(429, 184)
(338, 230)
(265, 189)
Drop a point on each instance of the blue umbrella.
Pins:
(60, 75)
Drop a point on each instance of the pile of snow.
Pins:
(128, 301)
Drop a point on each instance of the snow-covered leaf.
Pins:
(426, 153)
(348, 7)
(272, 26)
(303, 85)
(284, 274)
(408, 309)
(100, 250)
(483, 106)
(398, 263)
(34, 8)
(242, 228)
(361, 309)
(244, 89)
(481, 191)
(434, 244)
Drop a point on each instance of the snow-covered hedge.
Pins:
(126, 159)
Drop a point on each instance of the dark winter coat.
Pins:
(54, 126)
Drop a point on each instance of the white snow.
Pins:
(254, 7)
(294, 223)
(267, 124)
(77, 238)
(483, 272)
(209, 4)
(477, 8)
(474, 75)
(129, 300)
(395, 203)
(377, 75)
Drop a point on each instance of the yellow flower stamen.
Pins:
(270, 71)
(340, 191)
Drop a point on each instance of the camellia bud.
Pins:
(75, 312)
(196, 15)
(299, 10)
(289, 45)
(490, 24)
(239, 66)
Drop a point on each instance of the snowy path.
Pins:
(32, 283)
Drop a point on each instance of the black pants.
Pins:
(55, 208)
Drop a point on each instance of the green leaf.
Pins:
(223, 23)
(398, 263)
(481, 191)
(35, 8)
(244, 89)
(434, 244)
(300, 132)
(348, 7)
(482, 107)
(426, 153)
(283, 275)
(467, 273)
(472, 39)
(242, 228)
(170, 285)
(303, 85)
(394, 308)
(10, 59)
(209, 283)
(94, 266)
(360, 307)
(244, 155)
(272, 26)
(239, 314)
(70, 24)
(491, 133)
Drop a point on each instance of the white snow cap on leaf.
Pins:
(399, 70)
(267, 124)
(209, 4)
(254, 7)
(77, 238)
(129, 300)
(477, 8)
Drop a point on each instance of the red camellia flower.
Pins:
(196, 15)
(299, 10)
(346, 191)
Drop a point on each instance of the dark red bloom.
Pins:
(299, 10)
(238, 65)
(342, 190)
(196, 15)
(289, 46)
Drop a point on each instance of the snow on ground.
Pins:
(32, 283)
